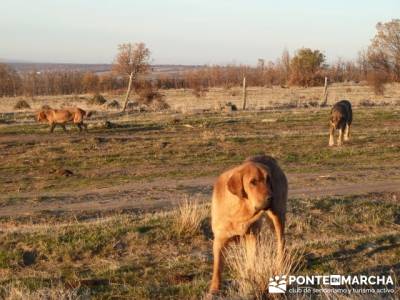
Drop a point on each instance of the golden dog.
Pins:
(241, 196)
(62, 116)
(341, 118)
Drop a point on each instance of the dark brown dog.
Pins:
(341, 118)
(63, 116)
(241, 196)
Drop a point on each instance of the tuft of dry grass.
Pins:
(189, 217)
(253, 260)
(114, 104)
(14, 291)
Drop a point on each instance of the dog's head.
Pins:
(41, 116)
(252, 183)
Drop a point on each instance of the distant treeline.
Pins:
(306, 69)
(55, 82)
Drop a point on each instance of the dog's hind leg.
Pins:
(331, 133)
(52, 126)
(84, 126)
(347, 132)
(63, 127)
(79, 126)
(340, 137)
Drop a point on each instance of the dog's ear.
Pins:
(235, 185)
(269, 182)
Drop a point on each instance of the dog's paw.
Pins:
(212, 295)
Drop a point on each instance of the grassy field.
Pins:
(110, 228)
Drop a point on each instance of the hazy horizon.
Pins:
(190, 32)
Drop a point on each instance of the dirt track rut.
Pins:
(164, 194)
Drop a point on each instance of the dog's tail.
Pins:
(262, 159)
(85, 113)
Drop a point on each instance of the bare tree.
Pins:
(261, 64)
(285, 60)
(362, 63)
(10, 81)
(90, 82)
(384, 51)
(132, 60)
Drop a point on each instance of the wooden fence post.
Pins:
(325, 95)
(244, 93)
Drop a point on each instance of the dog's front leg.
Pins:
(246, 224)
(279, 227)
(52, 126)
(218, 245)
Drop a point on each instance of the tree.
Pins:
(305, 66)
(132, 60)
(384, 51)
(285, 61)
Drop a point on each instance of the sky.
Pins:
(187, 31)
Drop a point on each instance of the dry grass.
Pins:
(19, 292)
(189, 217)
(278, 97)
(184, 100)
(252, 261)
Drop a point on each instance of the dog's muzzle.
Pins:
(265, 206)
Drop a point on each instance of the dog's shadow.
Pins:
(206, 229)
(365, 249)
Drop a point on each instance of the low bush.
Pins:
(97, 99)
(22, 104)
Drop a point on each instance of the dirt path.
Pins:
(164, 194)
